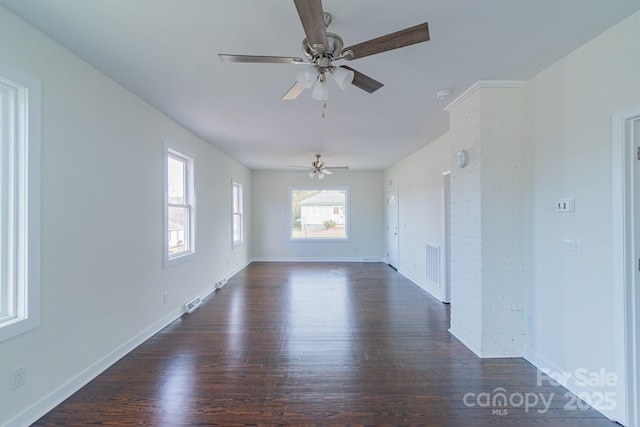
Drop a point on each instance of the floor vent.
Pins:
(220, 283)
(433, 264)
(193, 304)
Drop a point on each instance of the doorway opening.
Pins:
(446, 238)
(626, 261)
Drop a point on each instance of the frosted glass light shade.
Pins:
(319, 90)
(307, 76)
(342, 77)
(320, 175)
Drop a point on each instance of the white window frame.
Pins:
(237, 213)
(20, 117)
(172, 150)
(347, 210)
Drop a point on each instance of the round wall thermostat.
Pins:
(461, 159)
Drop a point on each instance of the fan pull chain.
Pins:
(324, 108)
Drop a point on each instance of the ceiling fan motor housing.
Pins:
(332, 51)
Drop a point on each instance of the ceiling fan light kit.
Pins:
(319, 169)
(322, 48)
(307, 76)
(319, 90)
(342, 77)
(311, 77)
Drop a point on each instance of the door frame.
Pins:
(446, 235)
(624, 264)
(387, 240)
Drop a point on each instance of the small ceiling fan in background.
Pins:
(318, 168)
(323, 48)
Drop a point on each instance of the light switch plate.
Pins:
(566, 205)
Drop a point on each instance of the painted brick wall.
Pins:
(487, 122)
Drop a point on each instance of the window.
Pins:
(319, 213)
(236, 207)
(20, 203)
(180, 209)
(316, 211)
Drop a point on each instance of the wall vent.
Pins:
(192, 305)
(433, 263)
(220, 283)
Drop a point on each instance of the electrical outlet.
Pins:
(571, 247)
(166, 297)
(18, 377)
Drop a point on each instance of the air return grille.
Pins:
(433, 264)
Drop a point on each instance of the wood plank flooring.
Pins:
(315, 344)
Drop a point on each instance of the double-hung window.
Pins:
(19, 203)
(237, 212)
(180, 206)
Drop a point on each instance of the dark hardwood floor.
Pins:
(316, 344)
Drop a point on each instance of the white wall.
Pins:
(419, 182)
(271, 217)
(102, 204)
(569, 300)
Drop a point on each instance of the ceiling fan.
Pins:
(323, 48)
(319, 169)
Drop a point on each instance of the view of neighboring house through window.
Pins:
(236, 203)
(319, 213)
(180, 205)
(19, 203)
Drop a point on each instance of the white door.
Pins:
(392, 239)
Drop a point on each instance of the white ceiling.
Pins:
(165, 51)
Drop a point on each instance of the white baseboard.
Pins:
(237, 270)
(53, 399)
(573, 384)
(429, 287)
(313, 259)
(464, 339)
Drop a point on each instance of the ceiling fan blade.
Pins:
(363, 81)
(260, 59)
(312, 19)
(402, 38)
(337, 168)
(293, 92)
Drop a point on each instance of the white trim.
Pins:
(569, 381)
(622, 259)
(426, 285)
(313, 259)
(53, 399)
(445, 267)
(178, 151)
(46, 404)
(387, 243)
(347, 213)
(27, 96)
(234, 243)
(481, 84)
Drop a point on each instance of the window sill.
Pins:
(170, 262)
